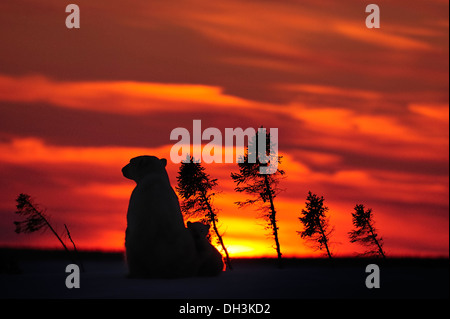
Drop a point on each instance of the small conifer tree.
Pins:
(262, 187)
(316, 224)
(365, 232)
(195, 187)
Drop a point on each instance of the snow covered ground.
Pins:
(250, 279)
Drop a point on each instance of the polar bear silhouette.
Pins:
(157, 243)
(211, 261)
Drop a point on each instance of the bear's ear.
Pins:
(163, 161)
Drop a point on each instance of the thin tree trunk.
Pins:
(212, 215)
(74, 248)
(325, 239)
(375, 240)
(273, 221)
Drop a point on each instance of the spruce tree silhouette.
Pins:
(195, 187)
(316, 224)
(262, 187)
(365, 232)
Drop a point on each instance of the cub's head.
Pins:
(198, 230)
(143, 165)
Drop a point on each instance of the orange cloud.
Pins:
(114, 97)
(436, 112)
(332, 90)
(347, 121)
(380, 37)
(34, 151)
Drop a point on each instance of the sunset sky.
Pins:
(362, 114)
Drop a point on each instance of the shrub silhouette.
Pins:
(37, 220)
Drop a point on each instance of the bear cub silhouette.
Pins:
(211, 261)
(157, 243)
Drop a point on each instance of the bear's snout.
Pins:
(126, 171)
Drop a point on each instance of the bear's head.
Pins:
(143, 165)
(198, 230)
